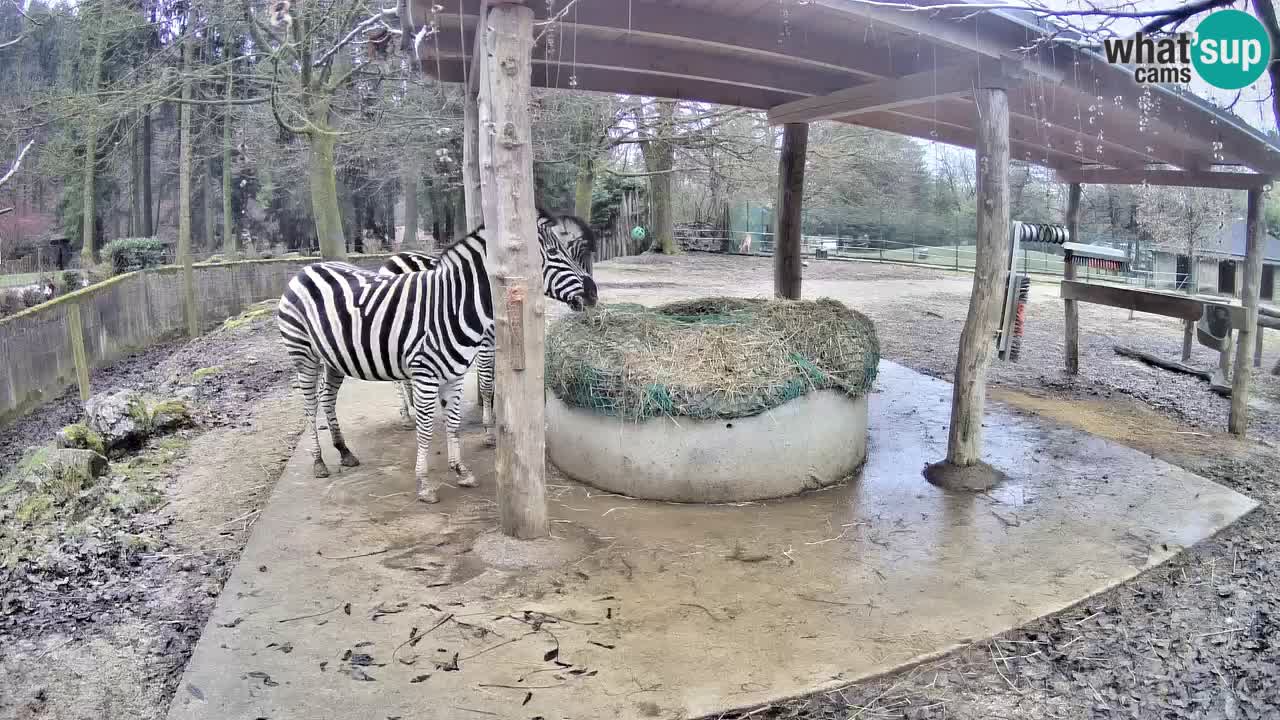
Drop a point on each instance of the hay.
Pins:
(708, 358)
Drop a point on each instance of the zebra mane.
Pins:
(588, 235)
(478, 233)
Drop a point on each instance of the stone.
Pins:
(126, 418)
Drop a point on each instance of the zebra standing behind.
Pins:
(577, 238)
(424, 327)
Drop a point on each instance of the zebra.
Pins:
(342, 321)
(576, 236)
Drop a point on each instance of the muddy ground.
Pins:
(102, 634)
(1195, 638)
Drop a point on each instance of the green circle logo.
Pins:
(1232, 49)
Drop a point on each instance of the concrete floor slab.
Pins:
(644, 609)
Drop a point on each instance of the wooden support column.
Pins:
(964, 440)
(1255, 229)
(1072, 311)
(514, 262)
(1257, 349)
(786, 223)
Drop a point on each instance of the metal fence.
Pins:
(954, 257)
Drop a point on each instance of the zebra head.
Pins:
(563, 278)
(578, 238)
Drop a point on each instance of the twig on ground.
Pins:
(353, 557)
(335, 608)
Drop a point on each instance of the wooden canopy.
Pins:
(902, 70)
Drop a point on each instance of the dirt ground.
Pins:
(1195, 638)
(1192, 639)
(110, 638)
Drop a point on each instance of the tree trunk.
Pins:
(409, 181)
(146, 211)
(184, 191)
(471, 193)
(324, 198)
(229, 239)
(89, 250)
(964, 442)
(507, 179)
(659, 158)
(1255, 232)
(786, 226)
(583, 185)
(206, 193)
(135, 183)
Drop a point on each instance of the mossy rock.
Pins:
(252, 314)
(79, 435)
(126, 419)
(204, 372)
(49, 479)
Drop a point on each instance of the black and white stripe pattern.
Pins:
(425, 327)
(575, 236)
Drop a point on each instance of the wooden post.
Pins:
(1257, 349)
(1254, 230)
(786, 223)
(471, 158)
(991, 263)
(1070, 308)
(514, 261)
(75, 333)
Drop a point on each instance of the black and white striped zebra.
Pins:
(424, 327)
(576, 236)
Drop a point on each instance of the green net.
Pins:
(710, 357)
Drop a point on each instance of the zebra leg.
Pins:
(329, 401)
(405, 390)
(452, 401)
(484, 378)
(426, 391)
(308, 378)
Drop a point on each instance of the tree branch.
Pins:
(17, 163)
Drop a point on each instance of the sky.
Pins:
(1254, 104)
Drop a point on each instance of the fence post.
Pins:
(75, 333)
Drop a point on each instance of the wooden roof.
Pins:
(908, 72)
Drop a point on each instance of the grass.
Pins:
(20, 279)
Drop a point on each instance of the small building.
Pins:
(1221, 264)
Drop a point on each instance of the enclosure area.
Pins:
(448, 608)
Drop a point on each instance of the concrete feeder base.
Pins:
(811, 442)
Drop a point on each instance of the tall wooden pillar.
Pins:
(991, 265)
(1254, 229)
(1070, 309)
(786, 223)
(471, 158)
(514, 261)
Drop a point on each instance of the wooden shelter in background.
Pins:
(1004, 83)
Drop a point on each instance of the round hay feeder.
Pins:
(710, 400)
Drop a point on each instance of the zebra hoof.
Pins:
(320, 470)
(468, 481)
(428, 496)
(490, 440)
(350, 460)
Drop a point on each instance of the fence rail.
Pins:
(954, 257)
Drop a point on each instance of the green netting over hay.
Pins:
(708, 358)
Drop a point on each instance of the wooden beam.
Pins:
(786, 250)
(1176, 178)
(1255, 231)
(1182, 307)
(572, 54)
(1070, 309)
(964, 440)
(514, 259)
(886, 94)
(477, 40)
